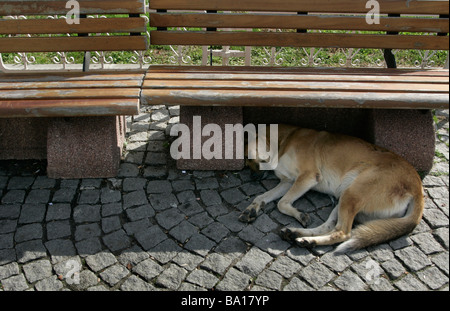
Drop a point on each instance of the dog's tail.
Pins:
(382, 230)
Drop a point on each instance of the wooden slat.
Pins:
(68, 44)
(60, 26)
(292, 77)
(85, 93)
(51, 7)
(261, 98)
(241, 85)
(68, 108)
(330, 6)
(288, 21)
(296, 70)
(69, 84)
(71, 76)
(226, 38)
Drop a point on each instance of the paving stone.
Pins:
(100, 261)
(9, 211)
(114, 274)
(349, 281)
(202, 278)
(254, 262)
(393, 268)
(296, 285)
(133, 283)
(15, 283)
(150, 237)
(427, 243)
(58, 212)
(216, 262)
(285, 266)
(159, 186)
(30, 250)
(413, 258)
(117, 240)
(88, 247)
(20, 182)
(442, 235)
(140, 212)
(37, 270)
(87, 231)
(111, 209)
(232, 196)
(9, 270)
(231, 221)
(31, 213)
(171, 277)
(435, 218)
(13, 196)
(86, 213)
(110, 224)
(187, 260)
(169, 218)
(148, 269)
(165, 251)
(234, 280)
(110, 196)
(216, 231)
(7, 226)
(58, 229)
(200, 244)
(269, 279)
(337, 263)
(183, 231)
(133, 184)
(6, 240)
(210, 197)
(190, 208)
(38, 196)
(273, 244)
(135, 198)
(132, 256)
(442, 261)
(64, 195)
(206, 183)
(28, 232)
(162, 202)
(410, 283)
(433, 278)
(60, 250)
(317, 275)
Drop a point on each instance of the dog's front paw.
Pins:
(289, 234)
(250, 214)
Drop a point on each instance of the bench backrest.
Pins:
(41, 34)
(302, 23)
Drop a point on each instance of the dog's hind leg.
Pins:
(252, 211)
(302, 185)
(347, 210)
(291, 234)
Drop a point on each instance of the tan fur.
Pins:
(369, 181)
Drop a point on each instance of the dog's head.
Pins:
(254, 157)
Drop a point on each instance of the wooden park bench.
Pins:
(74, 119)
(390, 107)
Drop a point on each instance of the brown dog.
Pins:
(379, 187)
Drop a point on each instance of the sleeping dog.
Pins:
(374, 186)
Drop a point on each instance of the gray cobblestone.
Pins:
(154, 227)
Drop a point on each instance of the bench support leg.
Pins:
(409, 133)
(87, 147)
(211, 115)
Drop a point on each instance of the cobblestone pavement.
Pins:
(156, 228)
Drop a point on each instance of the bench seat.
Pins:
(69, 94)
(297, 87)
